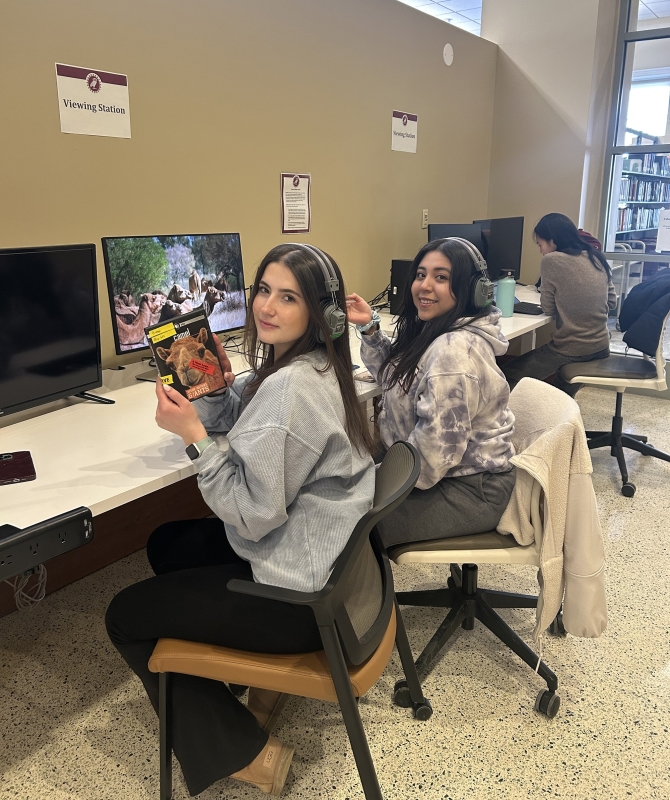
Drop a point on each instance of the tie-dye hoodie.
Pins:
(455, 412)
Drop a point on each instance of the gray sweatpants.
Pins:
(453, 507)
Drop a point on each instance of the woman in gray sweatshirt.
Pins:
(577, 290)
(444, 393)
(287, 495)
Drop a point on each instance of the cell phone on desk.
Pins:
(16, 467)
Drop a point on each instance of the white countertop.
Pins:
(102, 456)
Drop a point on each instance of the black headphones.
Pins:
(481, 288)
(336, 319)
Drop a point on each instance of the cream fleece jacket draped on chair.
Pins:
(554, 504)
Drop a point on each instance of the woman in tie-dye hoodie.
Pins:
(444, 393)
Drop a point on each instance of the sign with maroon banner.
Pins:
(93, 102)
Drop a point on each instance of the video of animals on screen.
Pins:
(157, 278)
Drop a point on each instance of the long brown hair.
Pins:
(309, 275)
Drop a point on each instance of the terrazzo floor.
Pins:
(75, 724)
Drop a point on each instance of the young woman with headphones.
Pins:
(444, 393)
(287, 495)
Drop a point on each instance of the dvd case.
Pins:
(186, 356)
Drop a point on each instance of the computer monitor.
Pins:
(49, 327)
(473, 233)
(503, 240)
(154, 279)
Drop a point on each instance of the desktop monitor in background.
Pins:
(503, 239)
(473, 233)
(49, 327)
(154, 279)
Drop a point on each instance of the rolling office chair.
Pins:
(358, 619)
(622, 372)
(552, 415)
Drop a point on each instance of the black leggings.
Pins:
(213, 733)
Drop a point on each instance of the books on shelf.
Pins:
(637, 218)
(648, 164)
(643, 190)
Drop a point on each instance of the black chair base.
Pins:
(616, 440)
(467, 602)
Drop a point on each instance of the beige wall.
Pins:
(542, 102)
(224, 96)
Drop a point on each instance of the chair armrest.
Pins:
(272, 592)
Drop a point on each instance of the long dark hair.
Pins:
(413, 336)
(562, 231)
(309, 275)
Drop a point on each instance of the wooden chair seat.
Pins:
(303, 674)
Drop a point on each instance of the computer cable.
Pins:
(24, 598)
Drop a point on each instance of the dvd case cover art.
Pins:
(186, 356)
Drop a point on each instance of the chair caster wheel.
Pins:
(628, 489)
(547, 703)
(237, 689)
(401, 695)
(423, 711)
(556, 628)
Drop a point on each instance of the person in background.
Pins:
(287, 495)
(444, 394)
(576, 288)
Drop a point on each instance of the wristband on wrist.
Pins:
(196, 449)
(376, 320)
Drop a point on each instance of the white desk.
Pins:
(104, 456)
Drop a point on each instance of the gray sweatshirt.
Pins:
(579, 296)
(455, 412)
(291, 487)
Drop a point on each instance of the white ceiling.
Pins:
(466, 14)
(652, 9)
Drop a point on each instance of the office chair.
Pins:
(462, 595)
(358, 619)
(622, 372)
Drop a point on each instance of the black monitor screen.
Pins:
(503, 239)
(157, 278)
(473, 233)
(49, 327)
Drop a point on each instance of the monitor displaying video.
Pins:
(154, 279)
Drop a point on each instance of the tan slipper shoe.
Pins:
(266, 706)
(269, 769)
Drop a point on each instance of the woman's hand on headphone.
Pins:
(358, 311)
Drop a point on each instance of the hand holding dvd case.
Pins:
(186, 356)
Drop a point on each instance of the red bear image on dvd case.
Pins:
(186, 356)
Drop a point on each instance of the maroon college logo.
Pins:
(296, 181)
(404, 119)
(93, 82)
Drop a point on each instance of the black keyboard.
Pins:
(527, 308)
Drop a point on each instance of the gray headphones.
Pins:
(336, 319)
(481, 288)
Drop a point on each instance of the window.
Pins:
(636, 192)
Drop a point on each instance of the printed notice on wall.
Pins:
(403, 131)
(663, 238)
(296, 212)
(93, 102)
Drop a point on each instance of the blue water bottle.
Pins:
(505, 294)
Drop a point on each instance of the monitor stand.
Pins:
(150, 376)
(95, 398)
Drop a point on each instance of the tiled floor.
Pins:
(75, 724)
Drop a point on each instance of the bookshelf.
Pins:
(642, 194)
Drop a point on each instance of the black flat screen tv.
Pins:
(154, 279)
(49, 326)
